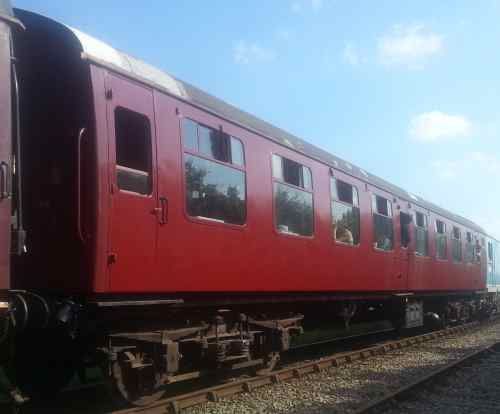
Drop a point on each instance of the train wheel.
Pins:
(136, 379)
(270, 363)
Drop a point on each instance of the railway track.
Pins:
(466, 385)
(179, 403)
(228, 396)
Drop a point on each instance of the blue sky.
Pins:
(409, 91)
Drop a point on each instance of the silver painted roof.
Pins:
(105, 55)
(6, 8)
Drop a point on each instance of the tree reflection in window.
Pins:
(294, 210)
(215, 191)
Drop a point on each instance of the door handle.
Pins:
(163, 210)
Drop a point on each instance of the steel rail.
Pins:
(213, 394)
(402, 392)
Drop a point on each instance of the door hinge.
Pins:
(109, 94)
(112, 188)
(112, 258)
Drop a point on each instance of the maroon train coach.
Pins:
(161, 233)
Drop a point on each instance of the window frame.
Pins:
(283, 182)
(152, 166)
(426, 216)
(412, 218)
(477, 242)
(207, 157)
(468, 244)
(453, 240)
(445, 235)
(183, 150)
(334, 176)
(389, 199)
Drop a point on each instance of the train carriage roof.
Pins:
(105, 55)
(7, 14)
(6, 8)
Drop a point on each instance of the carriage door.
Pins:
(5, 152)
(132, 154)
(405, 244)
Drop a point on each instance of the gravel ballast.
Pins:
(343, 389)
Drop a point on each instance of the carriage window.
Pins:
(214, 191)
(277, 167)
(133, 151)
(237, 155)
(478, 249)
(190, 134)
(404, 221)
(382, 223)
(441, 240)
(490, 251)
(421, 236)
(469, 248)
(293, 206)
(212, 143)
(291, 172)
(306, 178)
(345, 212)
(457, 245)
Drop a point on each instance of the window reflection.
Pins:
(384, 235)
(345, 212)
(345, 223)
(215, 191)
(237, 157)
(294, 210)
(421, 236)
(456, 246)
(382, 223)
(133, 151)
(441, 240)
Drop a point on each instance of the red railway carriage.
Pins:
(152, 220)
(142, 231)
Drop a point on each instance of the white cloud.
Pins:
(246, 53)
(436, 126)
(408, 46)
(351, 55)
(476, 163)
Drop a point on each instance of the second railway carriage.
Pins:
(163, 233)
(493, 255)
